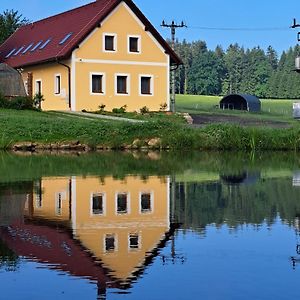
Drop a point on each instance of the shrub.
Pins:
(19, 103)
(120, 110)
(144, 110)
(102, 107)
(163, 107)
(37, 100)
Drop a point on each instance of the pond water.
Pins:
(150, 226)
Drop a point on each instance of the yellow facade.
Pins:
(147, 228)
(90, 58)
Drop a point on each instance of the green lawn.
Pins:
(270, 108)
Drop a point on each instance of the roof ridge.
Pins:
(60, 14)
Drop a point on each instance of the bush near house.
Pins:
(19, 103)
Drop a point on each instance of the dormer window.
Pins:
(110, 42)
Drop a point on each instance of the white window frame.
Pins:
(139, 241)
(56, 86)
(128, 203)
(103, 204)
(139, 44)
(127, 84)
(36, 86)
(115, 42)
(151, 85)
(116, 243)
(151, 202)
(103, 84)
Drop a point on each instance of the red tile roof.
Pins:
(79, 21)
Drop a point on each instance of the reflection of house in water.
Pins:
(121, 223)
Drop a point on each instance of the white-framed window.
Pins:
(146, 85)
(38, 86)
(134, 241)
(57, 84)
(109, 42)
(122, 203)
(146, 202)
(122, 84)
(97, 83)
(134, 44)
(98, 204)
(110, 243)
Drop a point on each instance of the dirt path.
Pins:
(205, 119)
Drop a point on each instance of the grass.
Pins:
(47, 127)
(271, 108)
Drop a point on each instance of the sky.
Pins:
(199, 15)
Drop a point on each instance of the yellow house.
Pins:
(104, 53)
(120, 222)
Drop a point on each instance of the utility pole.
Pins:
(296, 25)
(173, 27)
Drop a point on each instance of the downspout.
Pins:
(69, 81)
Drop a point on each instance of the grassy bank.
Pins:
(47, 128)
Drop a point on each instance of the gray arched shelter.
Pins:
(241, 102)
(11, 83)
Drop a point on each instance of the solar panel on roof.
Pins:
(36, 46)
(10, 53)
(27, 48)
(65, 38)
(45, 44)
(19, 50)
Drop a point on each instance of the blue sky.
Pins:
(198, 13)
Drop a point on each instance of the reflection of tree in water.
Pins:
(200, 204)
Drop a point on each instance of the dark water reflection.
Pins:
(152, 226)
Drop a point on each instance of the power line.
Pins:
(240, 28)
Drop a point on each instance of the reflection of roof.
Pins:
(55, 38)
(57, 249)
(54, 248)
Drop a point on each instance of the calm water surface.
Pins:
(150, 226)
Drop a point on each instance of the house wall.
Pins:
(151, 60)
(46, 73)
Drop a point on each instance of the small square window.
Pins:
(146, 202)
(134, 44)
(122, 85)
(109, 43)
(146, 85)
(122, 203)
(97, 204)
(97, 84)
(133, 241)
(110, 243)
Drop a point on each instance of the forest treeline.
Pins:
(237, 70)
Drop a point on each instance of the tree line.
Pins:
(237, 70)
